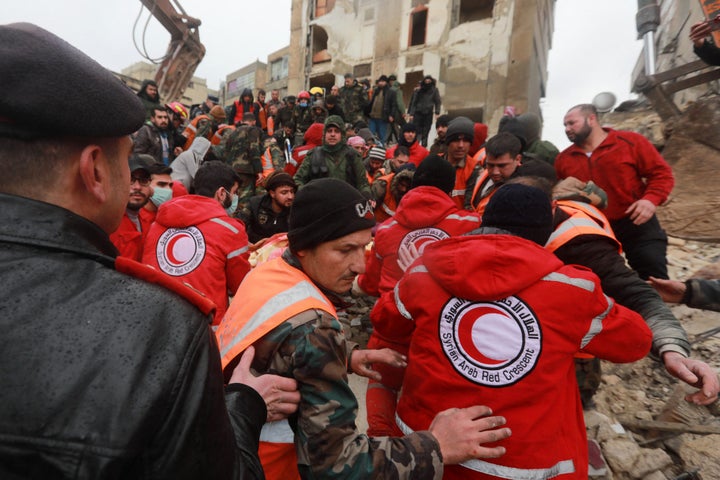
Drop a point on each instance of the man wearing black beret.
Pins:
(108, 370)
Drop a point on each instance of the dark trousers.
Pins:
(645, 246)
(423, 122)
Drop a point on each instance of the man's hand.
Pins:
(280, 393)
(177, 151)
(461, 432)
(407, 254)
(695, 373)
(699, 32)
(671, 291)
(361, 361)
(641, 211)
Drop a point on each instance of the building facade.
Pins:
(484, 54)
(251, 76)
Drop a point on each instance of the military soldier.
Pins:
(241, 149)
(353, 99)
(286, 310)
(302, 116)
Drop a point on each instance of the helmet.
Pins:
(316, 90)
(179, 108)
(304, 94)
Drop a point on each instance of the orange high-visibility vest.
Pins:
(479, 157)
(584, 219)
(271, 126)
(480, 207)
(191, 129)
(388, 206)
(267, 164)
(280, 292)
(221, 131)
(461, 177)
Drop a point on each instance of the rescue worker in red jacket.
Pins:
(129, 237)
(426, 214)
(634, 176)
(196, 241)
(508, 337)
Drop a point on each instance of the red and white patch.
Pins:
(494, 344)
(180, 250)
(414, 243)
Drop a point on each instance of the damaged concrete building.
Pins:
(485, 54)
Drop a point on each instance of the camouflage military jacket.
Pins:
(353, 101)
(303, 118)
(241, 149)
(311, 348)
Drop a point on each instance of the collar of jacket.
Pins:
(25, 221)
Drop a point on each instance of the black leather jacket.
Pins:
(103, 375)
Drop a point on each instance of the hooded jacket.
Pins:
(239, 107)
(186, 165)
(507, 339)
(195, 241)
(425, 214)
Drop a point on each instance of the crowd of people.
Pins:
(175, 276)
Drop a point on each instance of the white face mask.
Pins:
(161, 195)
(233, 205)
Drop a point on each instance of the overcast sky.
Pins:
(594, 47)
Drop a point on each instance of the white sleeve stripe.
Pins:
(575, 282)
(596, 326)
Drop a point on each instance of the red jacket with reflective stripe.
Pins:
(496, 320)
(626, 165)
(195, 241)
(127, 239)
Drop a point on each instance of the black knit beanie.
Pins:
(521, 210)
(326, 209)
(435, 171)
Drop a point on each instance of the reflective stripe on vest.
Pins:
(584, 220)
(561, 468)
(267, 163)
(191, 129)
(274, 292)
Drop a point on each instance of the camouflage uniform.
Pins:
(335, 166)
(303, 118)
(353, 101)
(311, 348)
(241, 149)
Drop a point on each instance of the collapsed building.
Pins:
(485, 55)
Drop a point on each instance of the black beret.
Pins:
(50, 88)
